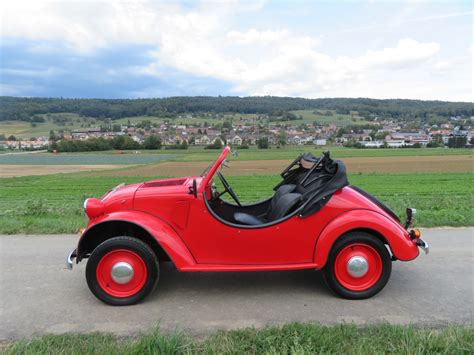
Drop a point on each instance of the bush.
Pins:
(262, 143)
(216, 145)
(152, 142)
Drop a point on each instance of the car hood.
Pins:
(120, 191)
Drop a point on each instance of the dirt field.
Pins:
(27, 170)
(461, 163)
(453, 163)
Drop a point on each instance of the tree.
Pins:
(12, 138)
(282, 138)
(227, 124)
(152, 142)
(457, 142)
(52, 136)
(262, 143)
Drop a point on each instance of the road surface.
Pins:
(39, 295)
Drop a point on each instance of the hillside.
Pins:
(27, 109)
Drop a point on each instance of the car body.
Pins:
(133, 228)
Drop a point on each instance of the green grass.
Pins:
(290, 152)
(339, 120)
(294, 338)
(90, 158)
(26, 130)
(53, 203)
(197, 153)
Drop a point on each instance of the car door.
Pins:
(215, 242)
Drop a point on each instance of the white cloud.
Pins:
(203, 41)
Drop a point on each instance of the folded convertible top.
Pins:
(317, 179)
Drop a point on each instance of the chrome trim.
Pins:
(423, 245)
(70, 257)
(122, 272)
(357, 266)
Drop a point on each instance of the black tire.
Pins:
(359, 238)
(131, 244)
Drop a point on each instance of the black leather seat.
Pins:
(284, 200)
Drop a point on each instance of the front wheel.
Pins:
(122, 271)
(358, 267)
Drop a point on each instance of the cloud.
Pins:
(204, 41)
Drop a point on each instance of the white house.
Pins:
(236, 140)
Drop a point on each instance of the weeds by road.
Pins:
(293, 338)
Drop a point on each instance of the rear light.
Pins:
(93, 207)
(415, 234)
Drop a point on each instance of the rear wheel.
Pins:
(122, 271)
(358, 267)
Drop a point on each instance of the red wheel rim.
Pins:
(117, 257)
(370, 275)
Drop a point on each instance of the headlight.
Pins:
(94, 207)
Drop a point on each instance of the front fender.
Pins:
(403, 248)
(162, 232)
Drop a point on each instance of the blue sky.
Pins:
(116, 49)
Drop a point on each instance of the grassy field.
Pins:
(208, 155)
(293, 338)
(53, 203)
(91, 158)
(26, 130)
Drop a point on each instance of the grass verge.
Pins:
(53, 203)
(294, 338)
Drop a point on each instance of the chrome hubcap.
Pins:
(357, 266)
(122, 272)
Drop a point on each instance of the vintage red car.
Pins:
(314, 220)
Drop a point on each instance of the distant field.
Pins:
(188, 120)
(26, 130)
(74, 121)
(291, 152)
(338, 119)
(395, 164)
(82, 159)
(53, 204)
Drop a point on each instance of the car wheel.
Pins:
(358, 267)
(122, 271)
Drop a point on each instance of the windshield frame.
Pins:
(210, 171)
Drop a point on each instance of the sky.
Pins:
(313, 49)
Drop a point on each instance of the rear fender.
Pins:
(165, 236)
(398, 239)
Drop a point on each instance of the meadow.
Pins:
(53, 203)
(294, 338)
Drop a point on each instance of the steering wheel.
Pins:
(228, 189)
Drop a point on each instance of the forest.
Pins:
(25, 109)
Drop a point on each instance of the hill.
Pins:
(28, 109)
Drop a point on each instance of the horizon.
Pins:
(229, 96)
(154, 49)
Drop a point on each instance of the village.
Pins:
(381, 133)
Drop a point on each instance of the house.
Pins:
(320, 142)
(236, 140)
(202, 140)
(372, 144)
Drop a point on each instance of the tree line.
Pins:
(100, 144)
(25, 109)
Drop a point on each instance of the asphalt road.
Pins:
(39, 295)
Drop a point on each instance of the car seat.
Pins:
(283, 201)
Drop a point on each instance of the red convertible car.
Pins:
(314, 220)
